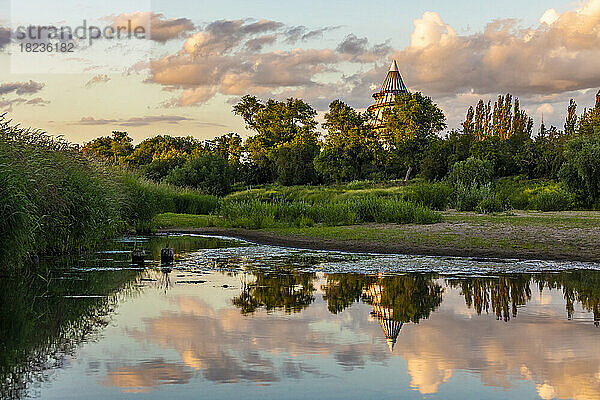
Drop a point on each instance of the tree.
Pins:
(589, 123)
(163, 147)
(581, 170)
(571, 120)
(113, 148)
(351, 149)
(207, 172)
(277, 124)
(408, 126)
(503, 120)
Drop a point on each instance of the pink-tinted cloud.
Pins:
(160, 28)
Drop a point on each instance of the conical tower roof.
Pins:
(385, 98)
(385, 316)
(393, 81)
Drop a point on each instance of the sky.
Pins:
(196, 59)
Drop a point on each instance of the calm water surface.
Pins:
(237, 320)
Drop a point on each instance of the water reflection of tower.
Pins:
(385, 316)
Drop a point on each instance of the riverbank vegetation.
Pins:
(493, 162)
(60, 197)
(56, 200)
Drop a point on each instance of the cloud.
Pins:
(358, 49)
(227, 57)
(299, 33)
(143, 121)
(7, 105)
(238, 74)
(559, 55)
(256, 44)
(146, 376)
(353, 45)
(160, 28)
(5, 37)
(38, 101)
(220, 37)
(93, 121)
(20, 88)
(100, 78)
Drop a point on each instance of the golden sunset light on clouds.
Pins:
(196, 68)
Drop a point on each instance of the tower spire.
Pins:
(385, 98)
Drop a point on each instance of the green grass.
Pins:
(172, 220)
(522, 232)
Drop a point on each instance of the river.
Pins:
(231, 319)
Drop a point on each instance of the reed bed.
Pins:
(260, 214)
(55, 200)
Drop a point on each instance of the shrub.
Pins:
(552, 199)
(433, 195)
(581, 172)
(469, 197)
(471, 171)
(259, 214)
(53, 199)
(490, 204)
(206, 172)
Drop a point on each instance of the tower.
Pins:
(392, 85)
(385, 316)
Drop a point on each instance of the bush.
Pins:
(490, 204)
(552, 199)
(471, 171)
(142, 200)
(581, 172)
(433, 195)
(159, 169)
(469, 197)
(205, 172)
(52, 198)
(259, 214)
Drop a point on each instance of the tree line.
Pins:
(288, 148)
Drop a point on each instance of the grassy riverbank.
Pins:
(55, 200)
(519, 234)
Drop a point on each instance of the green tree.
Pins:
(407, 128)
(351, 149)
(113, 148)
(581, 170)
(207, 172)
(163, 147)
(571, 120)
(589, 123)
(277, 124)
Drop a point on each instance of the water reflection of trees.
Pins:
(502, 294)
(410, 297)
(506, 293)
(44, 318)
(279, 289)
(577, 286)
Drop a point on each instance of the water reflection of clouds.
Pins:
(227, 347)
(146, 375)
(560, 357)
